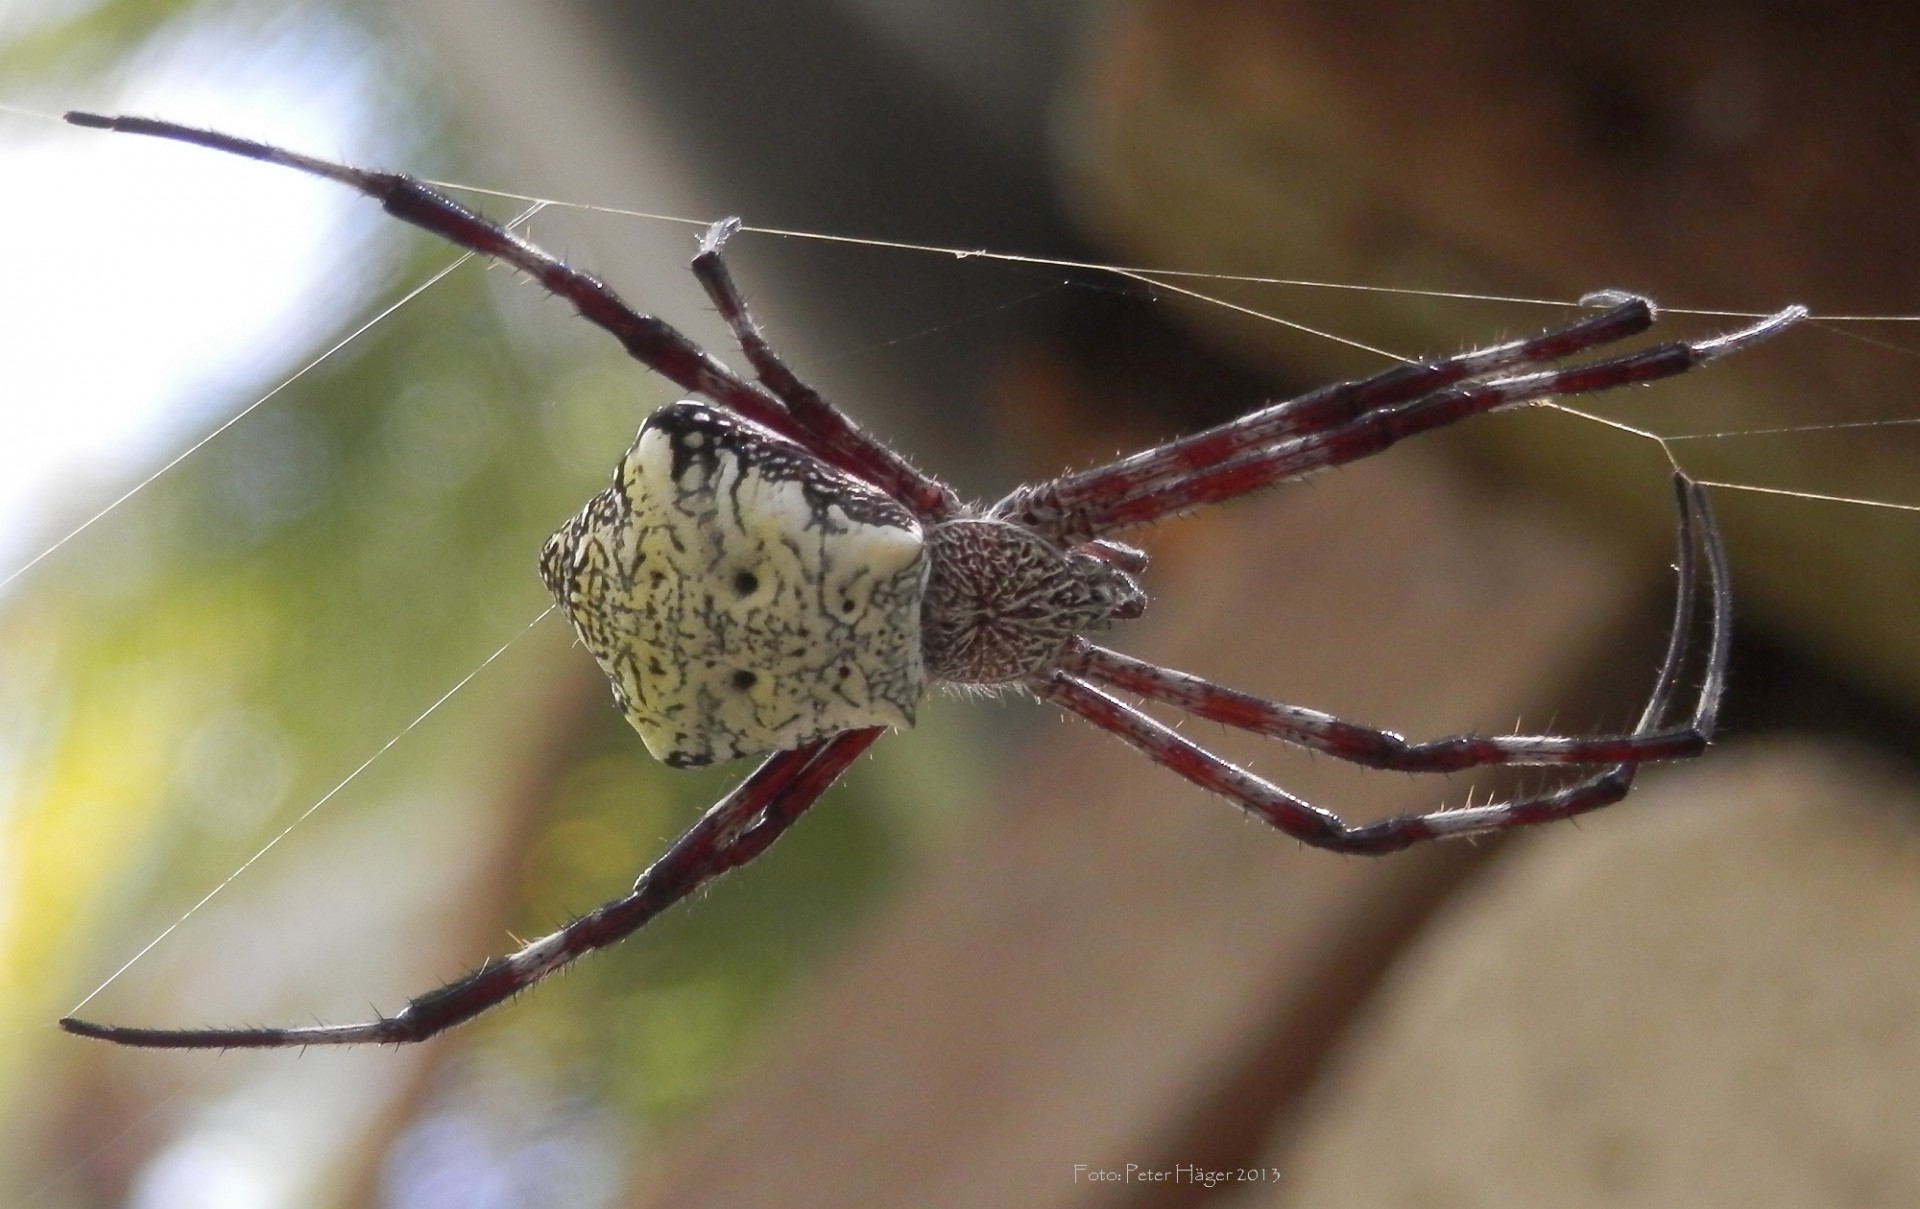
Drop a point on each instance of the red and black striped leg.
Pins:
(1322, 828)
(1120, 502)
(836, 438)
(732, 833)
(1376, 748)
(1317, 411)
(649, 340)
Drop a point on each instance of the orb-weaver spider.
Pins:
(764, 578)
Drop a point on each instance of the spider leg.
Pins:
(649, 340)
(1375, 748)
(1319, 410)
(733, 832)
(1367, 745)
(1323, 829)
(1227, 462)
(837, 438)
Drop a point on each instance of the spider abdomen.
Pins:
(742, 596)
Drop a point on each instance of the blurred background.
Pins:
(1005, 962)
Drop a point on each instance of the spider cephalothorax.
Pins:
(762, 576)
(1004, 603)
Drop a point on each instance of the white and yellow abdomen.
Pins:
(743, 596)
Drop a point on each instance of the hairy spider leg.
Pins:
(650, 340)
(1323, 829)
(1320, 409)
(922, 494)
(1132, 492)
(737, 829)
(1368, 746)
(1379, 430)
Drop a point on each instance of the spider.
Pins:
(762, 578)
